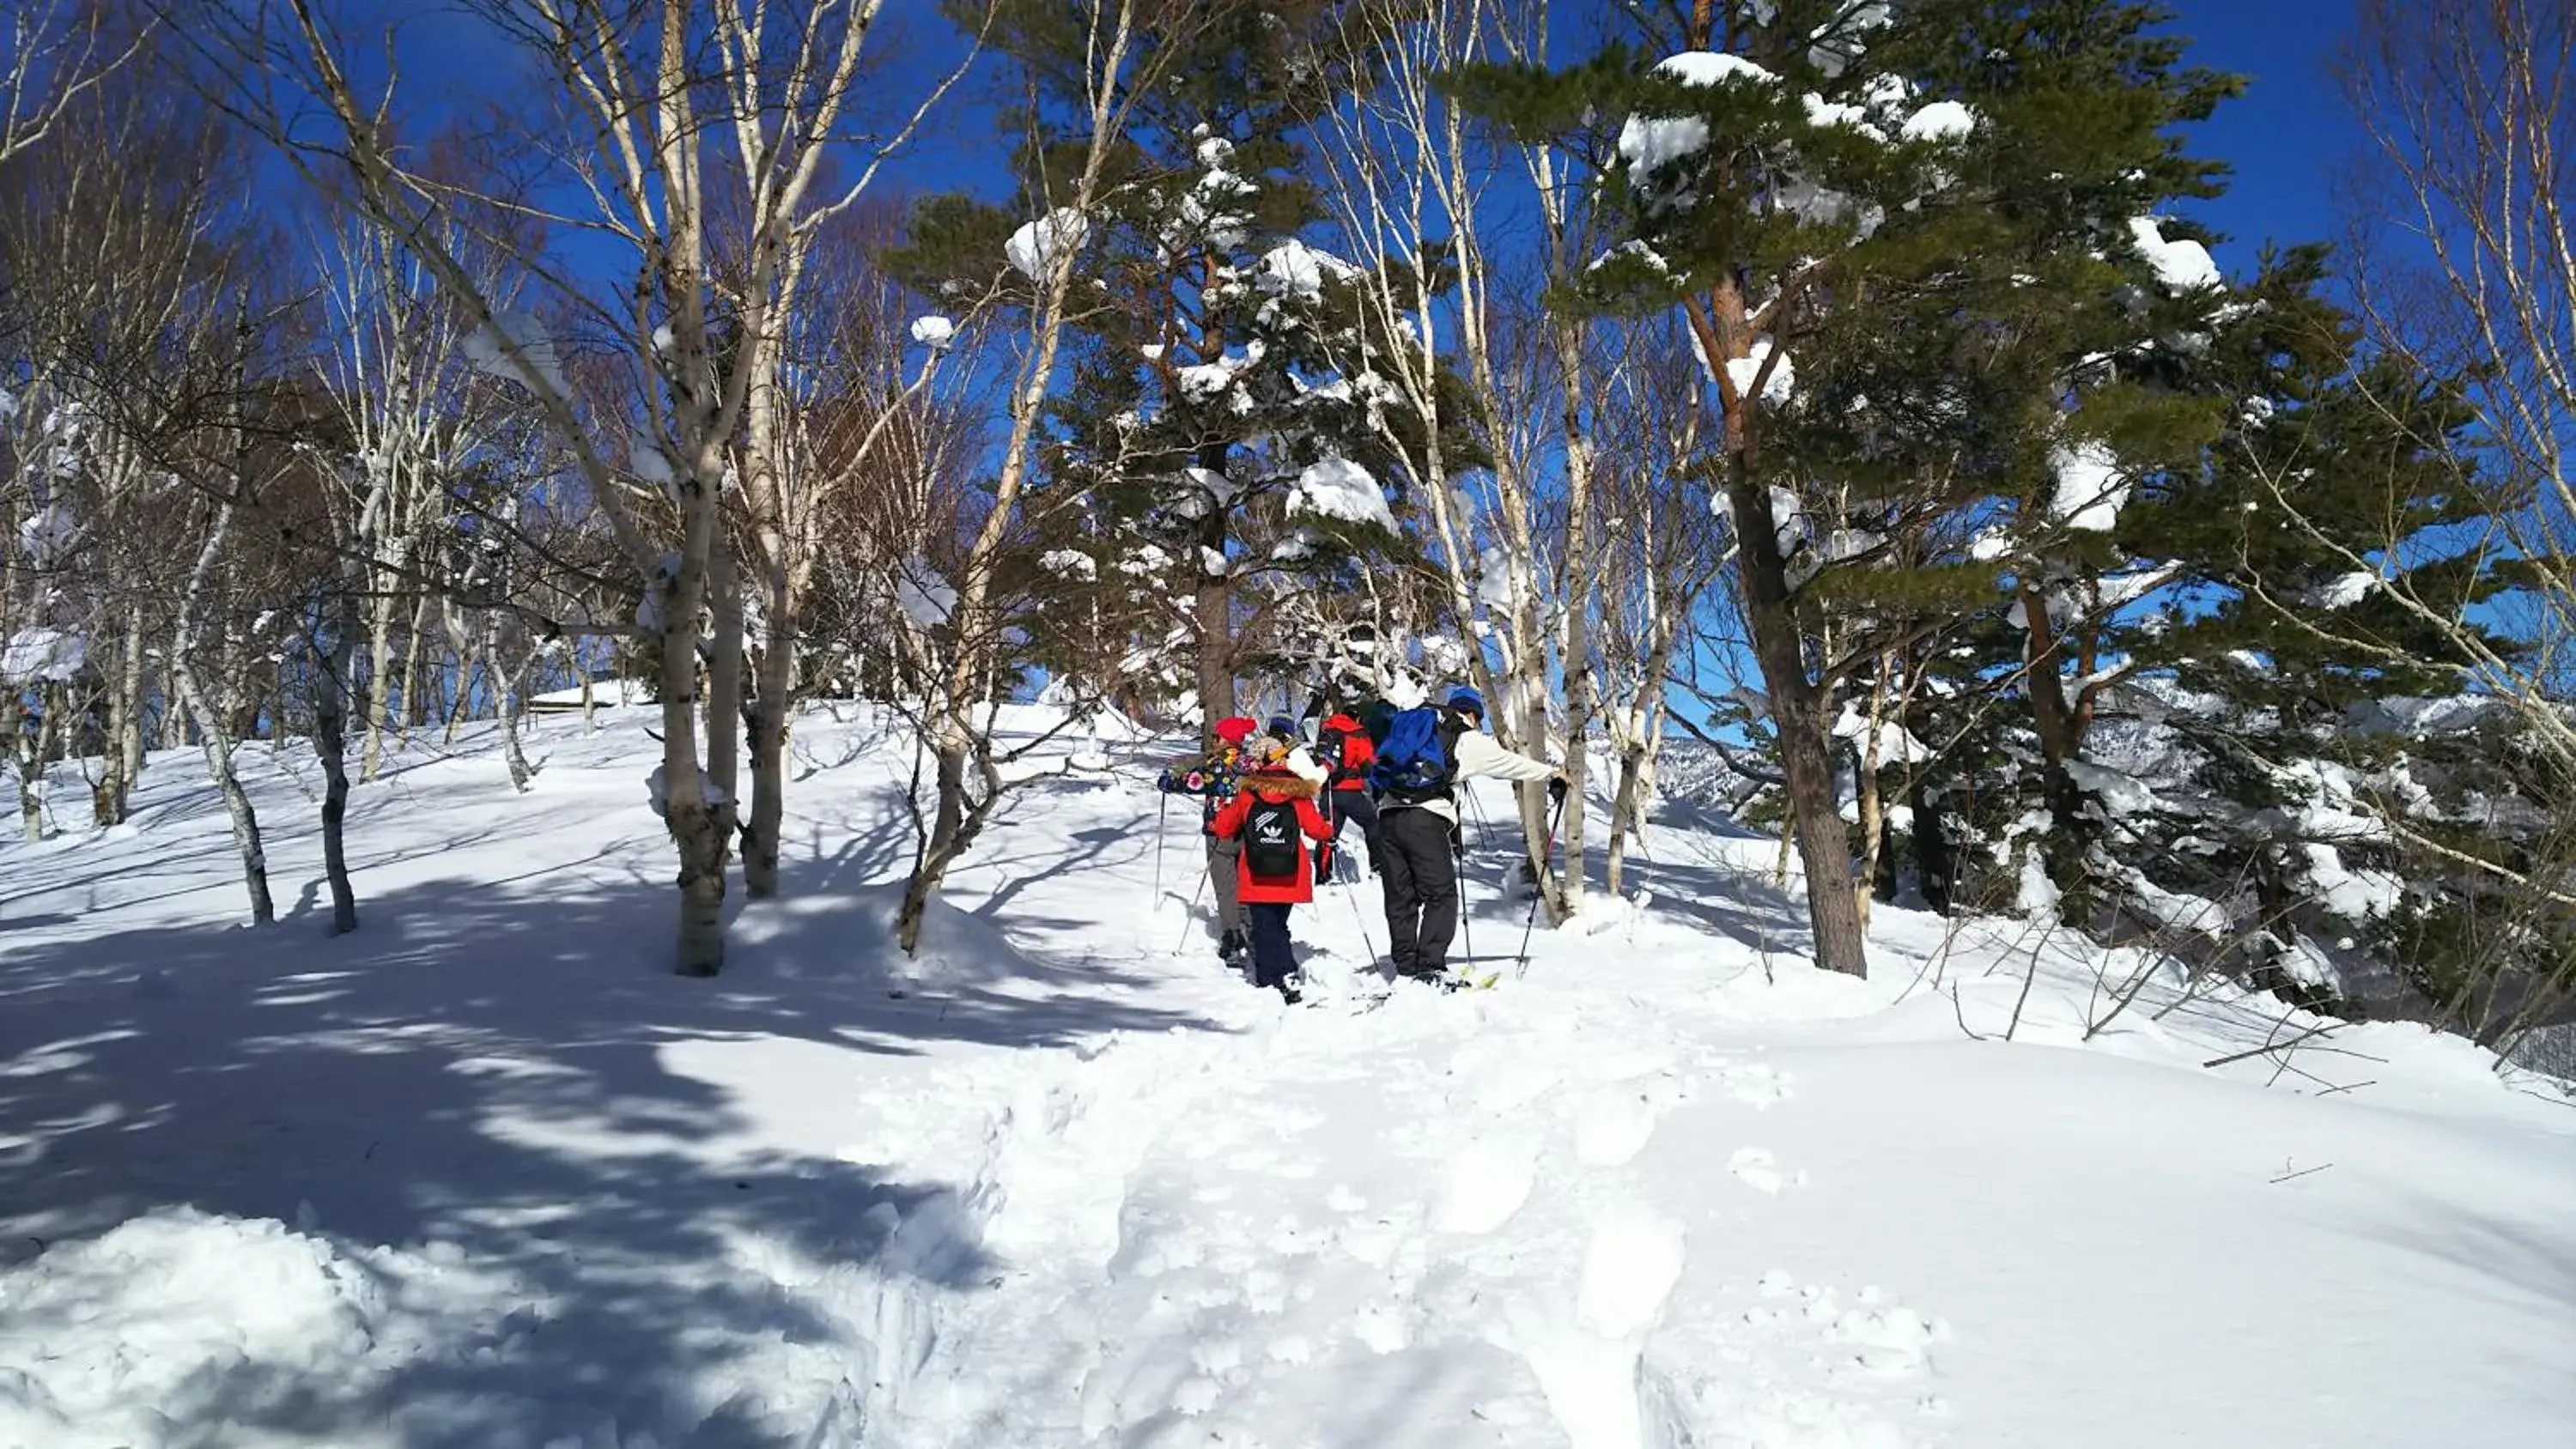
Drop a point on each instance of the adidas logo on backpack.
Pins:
(1270, 850)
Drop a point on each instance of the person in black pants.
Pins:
(1423, 844)
(1342, 746)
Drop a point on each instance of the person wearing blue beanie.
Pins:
(1419, 823)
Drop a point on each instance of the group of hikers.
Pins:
(1264, 794)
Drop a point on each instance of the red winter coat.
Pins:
(1358, 752)
(1299, 887)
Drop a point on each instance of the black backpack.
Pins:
(1331, 745)
(1270, 833)
(1375, 716)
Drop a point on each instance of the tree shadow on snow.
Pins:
(1724, 897)
(508, 1069)
(2521, 1265)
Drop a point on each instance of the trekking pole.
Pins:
(1189, 912)
(1466, 919)
(1484, 832)
(1162, 829)
(1361, 918)
(1520, 965)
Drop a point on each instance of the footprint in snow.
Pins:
(1890, 1338)
(1380, 1327)
(1758, 1084)
(1756, 1169)
(1489, 1179)
(1588, 1370)
(1629, 1267)
(1613, 1126)
(1293, 1349)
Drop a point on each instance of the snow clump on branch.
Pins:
(923, 595)
(2090, 489)
(43, 656)
(1341, 489)
(2182, 266)
(1649, 142)
(47, 535)
(1034, 247)
(513, 340)
(1941, 121)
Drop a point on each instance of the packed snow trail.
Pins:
(485, 1174)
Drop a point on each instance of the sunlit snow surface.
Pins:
(487, 1174)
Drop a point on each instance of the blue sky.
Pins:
(2289, 135)
(2286, 139)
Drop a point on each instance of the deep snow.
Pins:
(486, 1174)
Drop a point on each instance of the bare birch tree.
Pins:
(114, 240)
(2465, 243)
(1661, 552)
(1117, 64)
(1411, 181)
(854, 392)
(695, 135)
(2466, 252)
(412, 411)
(57, 53)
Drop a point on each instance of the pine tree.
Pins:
(1216, 450)
(2282, 614)
(1873, 218)
(2231, 640)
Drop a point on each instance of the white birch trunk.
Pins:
(23, 755)
(956, 733)
(723, 650)
(214, 725)
(331, 747)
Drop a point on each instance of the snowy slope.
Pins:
(485, 1174)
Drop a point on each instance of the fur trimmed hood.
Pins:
(1279, 784)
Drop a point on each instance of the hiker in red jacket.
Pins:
(1342, 745)
(1272, 817)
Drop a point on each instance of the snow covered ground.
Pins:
(487, 1175)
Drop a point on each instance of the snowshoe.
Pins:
(1455, 980)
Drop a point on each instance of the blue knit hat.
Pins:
(1282, 726)
(1466, 700)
